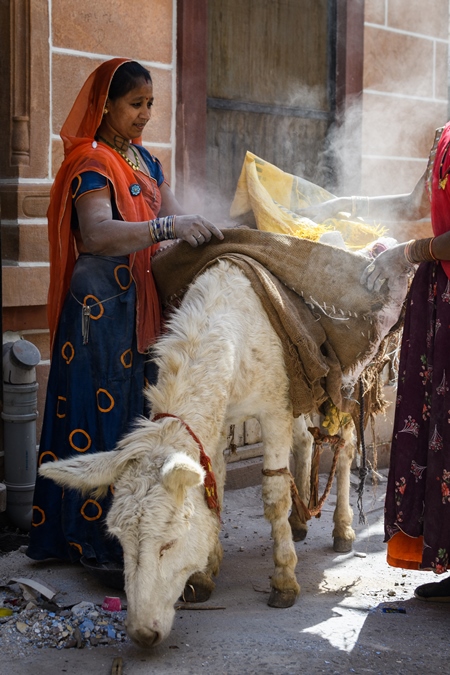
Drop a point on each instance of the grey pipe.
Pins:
(19, 415)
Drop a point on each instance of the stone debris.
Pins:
(37, 624)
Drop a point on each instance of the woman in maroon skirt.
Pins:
(417, 513)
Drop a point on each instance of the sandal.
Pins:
(110, 575)
(438, 591)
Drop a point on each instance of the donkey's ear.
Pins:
(89, 473)
(179, 473)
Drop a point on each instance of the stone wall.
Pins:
(405, 99)
(405, 95)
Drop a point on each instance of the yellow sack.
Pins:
(274, 197)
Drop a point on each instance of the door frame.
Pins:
(346, 30)
(192, 72)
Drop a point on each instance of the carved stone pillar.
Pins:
(25, 139)
(20, 95)
(25, 180)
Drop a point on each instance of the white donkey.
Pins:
(220, 363)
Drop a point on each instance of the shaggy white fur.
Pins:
(220, 363)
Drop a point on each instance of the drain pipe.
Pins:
(19, 415)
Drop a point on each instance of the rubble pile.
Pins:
(29, 619)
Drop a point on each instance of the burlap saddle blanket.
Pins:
(331, 327)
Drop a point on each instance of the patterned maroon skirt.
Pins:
(418, 491)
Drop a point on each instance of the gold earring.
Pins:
(105, 111)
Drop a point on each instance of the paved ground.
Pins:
(337, 625)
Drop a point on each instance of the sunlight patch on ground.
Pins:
(371, 530)
(347, 558)
(342, 629)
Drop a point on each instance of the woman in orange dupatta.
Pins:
(417, 510)
(110, 208)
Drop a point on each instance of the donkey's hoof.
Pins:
(299, 530)
(198, 588)
(281, 599)
(299, 534)
(341, 545)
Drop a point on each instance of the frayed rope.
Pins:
(363, 470)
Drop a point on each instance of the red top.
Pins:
(440, 190)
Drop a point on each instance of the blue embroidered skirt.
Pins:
(95, 392)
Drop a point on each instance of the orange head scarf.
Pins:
(82, 154)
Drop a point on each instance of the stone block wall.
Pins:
(84, 34)
(405, 99)
(405, 96)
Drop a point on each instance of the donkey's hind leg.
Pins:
(302, 454)
(343, 532)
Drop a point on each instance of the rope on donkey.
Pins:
(363, 470)
(315, 505)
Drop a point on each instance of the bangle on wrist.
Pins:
(161, 229)
(407, 251)
(168, 227)
(151, 231)
(419, 250)
(154, 227)
(430, 248)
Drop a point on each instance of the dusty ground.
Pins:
(337, 625)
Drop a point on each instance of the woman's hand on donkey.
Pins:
(196, 230)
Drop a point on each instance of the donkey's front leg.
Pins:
(343, 532)
(277, 440)
(200, 585)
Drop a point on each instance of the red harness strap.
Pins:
(210, 480)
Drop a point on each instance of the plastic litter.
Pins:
(112, 604)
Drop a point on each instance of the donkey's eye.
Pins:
(165, 548)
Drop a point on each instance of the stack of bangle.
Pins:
(358, 202)
(419, 250)
(162, 228)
